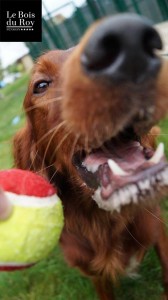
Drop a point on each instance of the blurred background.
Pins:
(63, 24)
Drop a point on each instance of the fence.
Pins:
(60, 31)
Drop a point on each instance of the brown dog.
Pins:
(89, 112)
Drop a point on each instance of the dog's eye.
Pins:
(41, 87)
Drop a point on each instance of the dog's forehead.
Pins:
(57, 56)
(51, 61)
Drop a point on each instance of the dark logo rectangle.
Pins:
(20, 20)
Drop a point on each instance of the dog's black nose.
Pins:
(121, 48)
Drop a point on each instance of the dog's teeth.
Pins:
(134, 191)
(122, 197)
(116, 202)
(144, 185)
(115, 168)
(91, 168)
(158, 154)
(164, 176)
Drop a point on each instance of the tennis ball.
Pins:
(35, 222)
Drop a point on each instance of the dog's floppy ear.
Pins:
(25, 153)
(22, 147)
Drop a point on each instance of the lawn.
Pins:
(52, 279)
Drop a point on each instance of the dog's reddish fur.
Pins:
(61, 121)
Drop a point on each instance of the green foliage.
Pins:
(1, 71)
(14, 68)
(10, 107)
(52, 279)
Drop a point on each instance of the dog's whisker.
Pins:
(46, 150)
(41, 104)
(42, 138)
(38, 142)
(74, 145)
(56, 128)
(160, 220)
(56, 131)
(61, 142)
(55, 172)
(134, 237)
(44, 169)
(58, 98)
(33, 160)
(58, 146)
(54, 152)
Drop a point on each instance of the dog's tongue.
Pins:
(128, 156)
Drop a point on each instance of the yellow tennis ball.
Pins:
(33, 228)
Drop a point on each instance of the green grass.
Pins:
(52, 279)
(11, 99)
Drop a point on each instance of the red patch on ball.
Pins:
(25, 183)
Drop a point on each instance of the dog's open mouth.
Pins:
(122, 171)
